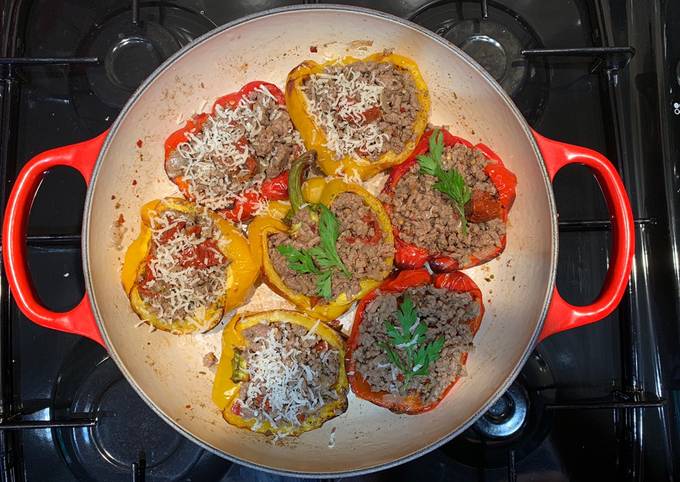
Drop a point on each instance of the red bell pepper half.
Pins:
(481, 207)
(274, 189)
(411, 403)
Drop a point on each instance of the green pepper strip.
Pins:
(295, 175)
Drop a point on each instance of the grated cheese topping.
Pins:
(284, 386)
(182, 286)
(219, 162)
(349, 94)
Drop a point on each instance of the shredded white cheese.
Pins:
(350, 95)
(312, 330)
(216, 162)
(183, 292)
(281, 382)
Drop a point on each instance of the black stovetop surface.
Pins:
(602, 399)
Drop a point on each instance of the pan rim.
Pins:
(283, 11)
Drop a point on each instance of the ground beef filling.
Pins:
(361, 247)
(445, 313)
(427, 218)
(236, 149)
(364, 108)
(290, 372)
(185, 271)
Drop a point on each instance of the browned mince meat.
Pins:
(361, 247)
(278, 142)
(209, 359)
(236, 149)
(427, 218)
(185, 269)
(291, 374)
(445, 313)
(375, 103)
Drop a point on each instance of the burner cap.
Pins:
(495, 48)
(517, 421)
(506, 416)
(496, 44)
(488, 52)
(132, 58)
(127, 427)
(127, 431)
(129, 53)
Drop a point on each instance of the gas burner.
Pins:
(517, 423)
(496, 43)
(129, 50)
(494, 47)
(505, 417)
(128, 435)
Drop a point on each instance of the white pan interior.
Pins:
(167, 370)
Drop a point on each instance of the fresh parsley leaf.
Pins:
(405, 348)
(329, 232)
(298, 260)
(449, 182)
(435, 349)
(407, 316)
(437, 144)
(320, 260)
(428, 165)
(323, 284)
(328, 225)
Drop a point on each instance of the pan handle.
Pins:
(82, 157)
(561, 315)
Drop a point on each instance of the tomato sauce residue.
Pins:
(320, 346)
(372, 114)
(202, 256)
(375, 238)
(168, 234)
(148, 277)
(140, 143)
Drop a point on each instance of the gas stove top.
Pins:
(596, 403)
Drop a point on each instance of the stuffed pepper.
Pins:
(187, 268)
(281, 373)
(411, 337)
(449, 204)
(327, 249)
(235, 158)
(360, 115)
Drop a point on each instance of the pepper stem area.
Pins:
(295, 174)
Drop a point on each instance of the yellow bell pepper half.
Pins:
(226, 390)
(242, 271)
(316, 190)
(314, 136)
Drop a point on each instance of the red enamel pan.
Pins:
(167, 370)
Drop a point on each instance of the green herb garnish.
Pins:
(322, 259)
(326, 253)
(298, 260)
(406, 349)
(449, 182)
